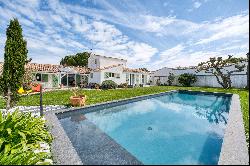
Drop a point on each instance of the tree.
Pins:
(247, 71)
(144, 69)
(170, 78)
(216, 66)
(187, 79)
(15, 58)
(80, 59)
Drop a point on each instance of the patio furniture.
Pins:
(36, 88)
(21, 90)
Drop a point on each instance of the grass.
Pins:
(96, 96)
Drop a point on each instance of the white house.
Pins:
(100, 68)
(108, 68)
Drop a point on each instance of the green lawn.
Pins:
(96, 96)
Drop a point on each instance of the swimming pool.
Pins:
(172, 128)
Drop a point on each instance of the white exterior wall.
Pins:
(118, 70)
(239, 79)
(96, 78)
(103, 61)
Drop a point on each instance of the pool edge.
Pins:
(234, 149)
(62, 149)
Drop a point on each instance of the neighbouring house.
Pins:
(100, 68)
(239, 79)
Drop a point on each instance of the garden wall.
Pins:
(238, 81)
(207, 79)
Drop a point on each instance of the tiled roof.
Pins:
(34, 67)
(134, 70)
(43, 67)
(82, 70)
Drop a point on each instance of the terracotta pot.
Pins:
(78, 100)
(36, 88)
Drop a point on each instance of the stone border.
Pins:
(233, 151)
(63, 152)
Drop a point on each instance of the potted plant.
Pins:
(97, 86)
(35, 87)
(77, 99)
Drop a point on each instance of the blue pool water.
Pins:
(177, 128)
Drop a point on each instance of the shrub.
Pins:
(123, 85)
(20, 138)
(170, 79)
(108, 84)
(27, 86)
(187, 79)
(94, 86)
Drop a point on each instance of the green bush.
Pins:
(123, 85)
(108, 84)
(27, 86)
(187, 79)
(20, 138)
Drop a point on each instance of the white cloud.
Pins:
(142, 52)
(197, 4)
(171, 53)
(235, 26)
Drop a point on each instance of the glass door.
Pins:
(131, 79)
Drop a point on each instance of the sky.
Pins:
(148, 33)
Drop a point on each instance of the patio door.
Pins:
(54, 80)
(131, 79)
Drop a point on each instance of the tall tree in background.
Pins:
(15, 58)
(247, 70)
(80, 59)
(216, 66)
(144, 69)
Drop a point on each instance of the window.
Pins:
(91, 75)
(38, 77)
(95, 61)
(142, 78)
(45, 78)
(137, 78)
(127, 78)
(111, 75)
(106, 75)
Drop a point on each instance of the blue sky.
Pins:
(148, 33)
